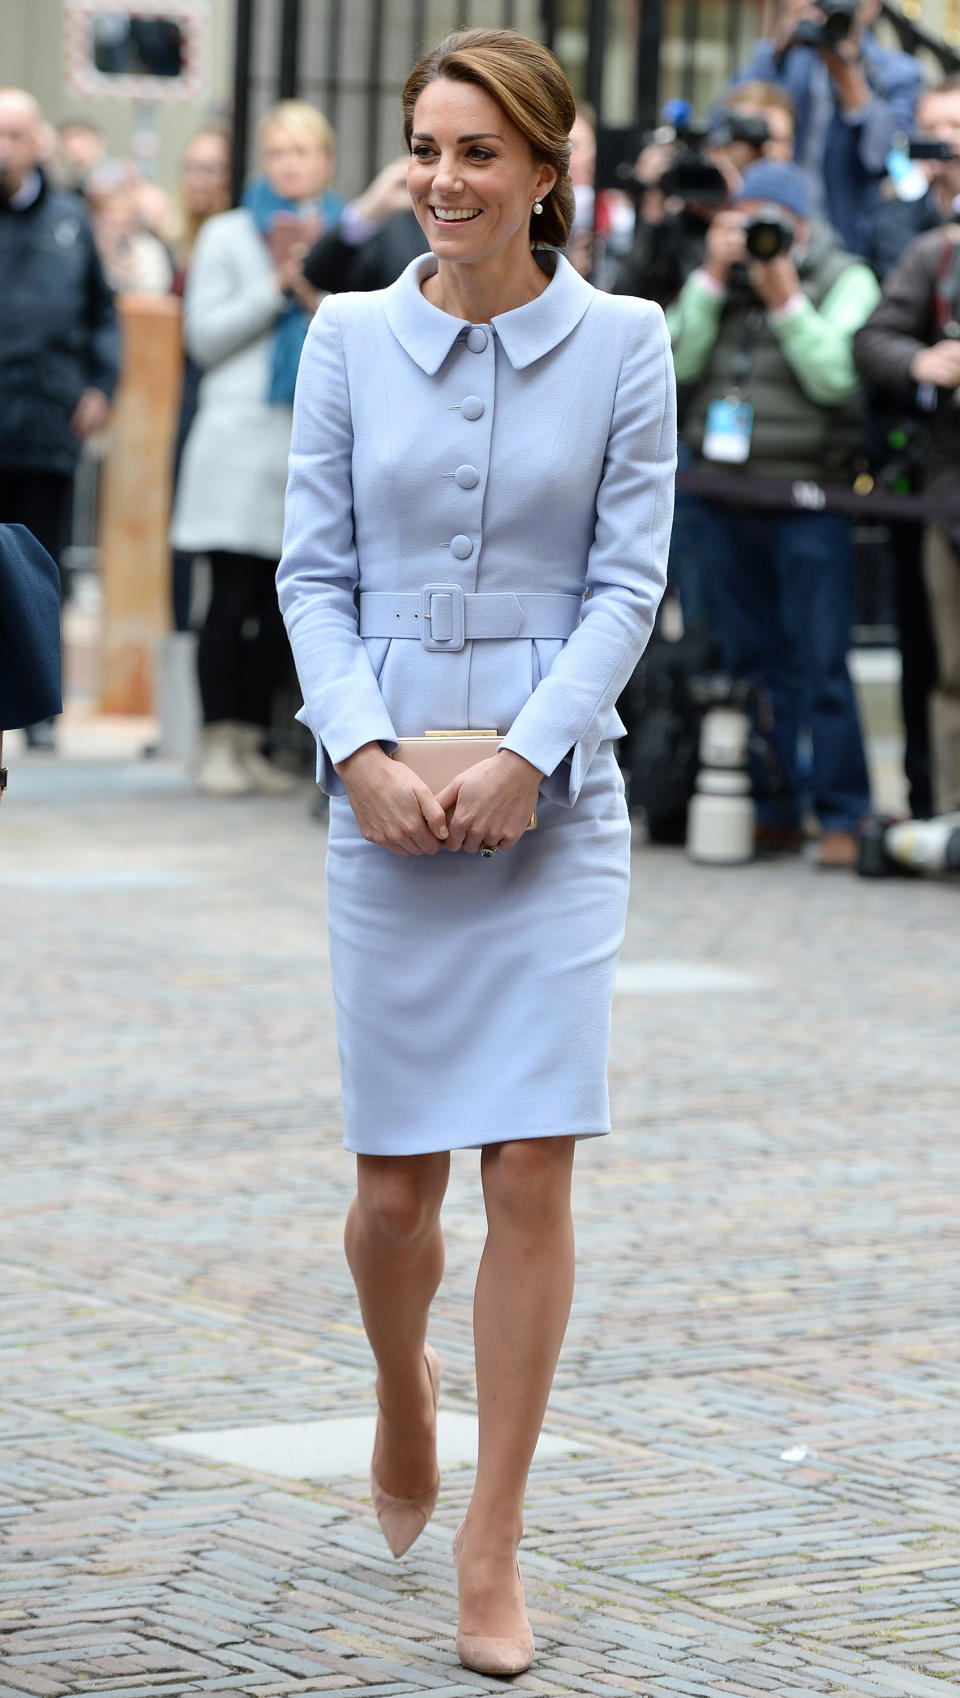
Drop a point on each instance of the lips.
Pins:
(455, 214)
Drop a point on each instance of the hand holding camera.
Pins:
(759, 248)
(726, 246)
(831, 28)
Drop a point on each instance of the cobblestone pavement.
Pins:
(760, 1382)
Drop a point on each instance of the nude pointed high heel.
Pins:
(488, 1655)
(402, 1520)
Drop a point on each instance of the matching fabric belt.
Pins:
(444, 617)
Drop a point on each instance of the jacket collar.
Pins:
(527, 333)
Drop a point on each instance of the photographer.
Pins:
(909, 349)
(899, 438)
(764, 330)
(902, 213)
(852, 98)
(683, 183)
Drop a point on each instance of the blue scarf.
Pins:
(293, 323)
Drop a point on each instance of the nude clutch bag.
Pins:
(440, 755)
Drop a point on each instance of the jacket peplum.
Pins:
(532, 455)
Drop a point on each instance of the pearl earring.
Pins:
(537, 207)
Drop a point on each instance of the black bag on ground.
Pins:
(660, 753)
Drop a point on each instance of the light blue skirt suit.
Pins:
(477, 523)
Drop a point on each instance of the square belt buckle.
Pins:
(441, 617)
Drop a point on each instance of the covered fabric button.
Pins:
(472, 407)
(461, 548)
(467, 477)
(476, 339)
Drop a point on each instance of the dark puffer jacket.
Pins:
(59, 333)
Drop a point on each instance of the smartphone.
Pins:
(931, 150)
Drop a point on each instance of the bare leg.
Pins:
(394, 1247)
(524, 1290)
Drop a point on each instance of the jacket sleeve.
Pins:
(319, 571)
(103, 329)
(694, 325)
(223, 309)
(817, 343)
(898, 82)
(899, 325)
(569, 710)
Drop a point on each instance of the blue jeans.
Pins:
(780, 595)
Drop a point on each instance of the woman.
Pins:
(134, 260)
(474, 449)
(204, 194)
(246, 312)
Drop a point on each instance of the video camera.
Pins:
(692, 177)
(838, 21)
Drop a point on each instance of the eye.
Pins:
(481, 153)
(421, 151)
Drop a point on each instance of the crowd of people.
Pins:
(809, 267)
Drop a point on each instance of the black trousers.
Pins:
(919, 676)
(243, 653)
(43, 502)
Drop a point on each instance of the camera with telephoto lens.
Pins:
(768, 235)
(691, 177)
(838, 21)
(740, 127)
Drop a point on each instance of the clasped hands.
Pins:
(490, 803)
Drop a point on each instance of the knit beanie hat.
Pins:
(778, 181)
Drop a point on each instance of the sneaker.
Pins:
(263, 775)
(219, 770)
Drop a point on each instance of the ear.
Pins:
(546, 179)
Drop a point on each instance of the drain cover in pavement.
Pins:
(308, 1450)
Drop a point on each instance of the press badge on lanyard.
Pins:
(729, 423)
(727, 432)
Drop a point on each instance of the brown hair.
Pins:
(762, 94)
(949, 85)
(528, 85)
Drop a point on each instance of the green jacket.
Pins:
(802, 383)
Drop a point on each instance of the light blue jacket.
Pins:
(531, 456)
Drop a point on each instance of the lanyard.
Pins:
(743, 358)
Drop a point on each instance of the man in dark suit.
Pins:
(29, 633)
(59, 350)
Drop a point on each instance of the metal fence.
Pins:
(352, 61)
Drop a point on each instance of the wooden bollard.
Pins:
(135, 503)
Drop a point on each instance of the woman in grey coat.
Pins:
(476, 450)
(246, 312)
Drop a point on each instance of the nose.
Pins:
(446, 175)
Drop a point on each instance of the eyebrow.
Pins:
(480, 135)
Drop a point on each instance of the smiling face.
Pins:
(297, 166)
(472, 177)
